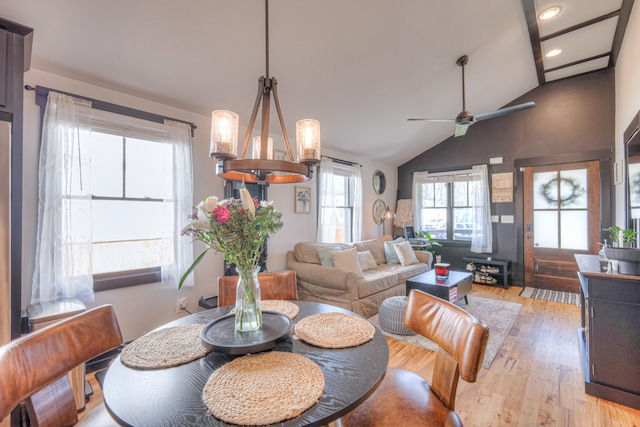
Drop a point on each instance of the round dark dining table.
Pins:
(173, 396)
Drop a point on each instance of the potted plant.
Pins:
(431, 242)
(626, 254)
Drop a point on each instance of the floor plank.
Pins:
(535, 379)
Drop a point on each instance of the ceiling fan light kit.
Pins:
(260, 167)
(465, 119)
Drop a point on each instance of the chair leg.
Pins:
(466, 301)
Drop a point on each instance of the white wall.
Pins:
(627, 96)
(142, 308)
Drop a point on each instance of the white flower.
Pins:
(202, 223)
(264, 203)
(210, 203)
(247, 201)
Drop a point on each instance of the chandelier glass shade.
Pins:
(256, 163)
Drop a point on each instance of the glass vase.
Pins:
(248, 308)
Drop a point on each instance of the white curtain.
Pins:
(419, 178)
(63, 245)
(328, 215)
(482, 240)
(63, 264)
(177, 250)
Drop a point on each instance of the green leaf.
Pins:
(192, 267)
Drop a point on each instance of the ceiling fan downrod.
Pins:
(462, 61)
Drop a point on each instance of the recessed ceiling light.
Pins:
(553, 52)
(549, 13)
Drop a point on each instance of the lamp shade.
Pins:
(308, 140)
(257, 146)
(224, 135)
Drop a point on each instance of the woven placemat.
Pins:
(165, 348)
(263, 389)
(287, 308)
(334, 330)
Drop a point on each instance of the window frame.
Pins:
(449, 179)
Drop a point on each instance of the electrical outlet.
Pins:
(181, 304)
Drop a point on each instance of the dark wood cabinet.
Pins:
(610, 332)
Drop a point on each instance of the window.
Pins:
(113, 193)
(447, 213)
(127, 197)
(454, 206)
(340, 202)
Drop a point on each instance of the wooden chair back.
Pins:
(277, 285)
(461, 336)
(34, 368)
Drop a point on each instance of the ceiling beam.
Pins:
(580, 61)
(534, 34)
(581, 25)
(623, 20)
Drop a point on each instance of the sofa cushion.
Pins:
(375, 281)
(375, 246)
(405, 253)
(347, 260)
(390, 251)
(367, 261)
(308, 252)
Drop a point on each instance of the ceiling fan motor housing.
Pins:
(464, 118)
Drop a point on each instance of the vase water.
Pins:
(248, 307)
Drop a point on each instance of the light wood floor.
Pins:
(535, 380)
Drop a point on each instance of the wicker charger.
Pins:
(287, 308)
(334, 330)
(263, 389)
(164, 348)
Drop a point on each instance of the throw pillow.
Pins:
(375, 246)
(348, 260)
(405, 253)
(367, 261)
(390, 251)
(326, 256)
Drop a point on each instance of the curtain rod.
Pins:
(344, 162)
(112, 108)
(449, 171)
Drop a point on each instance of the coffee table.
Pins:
(456, 286)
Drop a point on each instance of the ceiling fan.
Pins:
(465, 118)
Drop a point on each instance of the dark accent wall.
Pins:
(573, 120)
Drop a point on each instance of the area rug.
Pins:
(549, 295)
(498, 315)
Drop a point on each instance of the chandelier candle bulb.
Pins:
(224, 134)
(257, 146)
(308, 140)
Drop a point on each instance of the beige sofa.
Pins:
(337, 286)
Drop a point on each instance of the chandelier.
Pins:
(256, 164)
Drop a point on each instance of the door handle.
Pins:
(529, 236)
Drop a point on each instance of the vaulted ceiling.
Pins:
(360, 67)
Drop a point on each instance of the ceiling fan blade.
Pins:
(503, 111)
(431, 120)
(461, 130)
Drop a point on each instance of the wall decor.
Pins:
(379, 209)
(502, 187)
(302, 199)
(379, 182)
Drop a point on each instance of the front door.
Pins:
(561, 218)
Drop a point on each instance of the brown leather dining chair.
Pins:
(405, 398)
(276, 285)
(34, 368)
